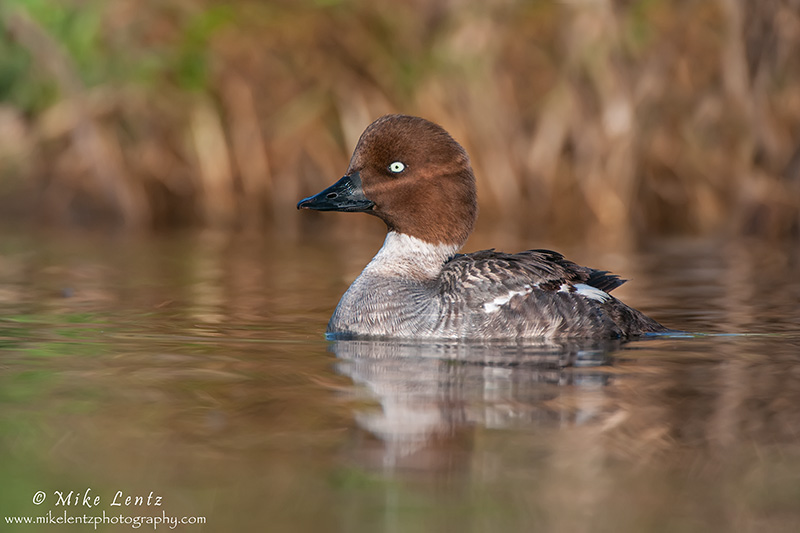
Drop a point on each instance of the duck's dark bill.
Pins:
(344, 195)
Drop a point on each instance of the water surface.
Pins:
(194, 367)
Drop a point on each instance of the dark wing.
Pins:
(540, 292)
(545, 269)
(600, 279)
(603, 280)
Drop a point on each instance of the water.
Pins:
(193, 367)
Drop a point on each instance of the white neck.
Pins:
(406, 256)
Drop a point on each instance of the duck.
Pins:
(413, 175)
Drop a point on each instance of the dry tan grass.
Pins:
(585, 119)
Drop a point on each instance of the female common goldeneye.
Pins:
(413, 175)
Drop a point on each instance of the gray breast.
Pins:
(391, 307)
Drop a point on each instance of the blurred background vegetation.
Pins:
(587, 119)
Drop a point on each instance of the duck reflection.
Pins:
(434, 396)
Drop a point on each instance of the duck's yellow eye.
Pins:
(397, 167)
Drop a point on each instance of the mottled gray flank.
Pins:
(416, 289)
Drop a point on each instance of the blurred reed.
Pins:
(604, 120)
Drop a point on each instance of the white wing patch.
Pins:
(587, 291)
(592, 293)
(500, 301)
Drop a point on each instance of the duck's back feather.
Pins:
(540, 289)
(545, 268)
